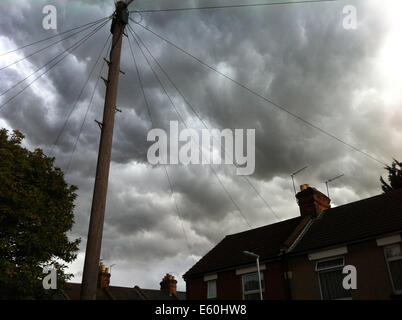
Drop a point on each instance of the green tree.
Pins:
(36, 212)
(394, 177)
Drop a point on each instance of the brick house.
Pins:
(365, 234)
(292, 250)
(106, 292)
(226, 272)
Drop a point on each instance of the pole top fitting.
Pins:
(120, 15)
(121, 9)
(121, 3)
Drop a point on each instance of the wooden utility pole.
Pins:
(94, 241)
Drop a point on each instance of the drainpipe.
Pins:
(285, 267)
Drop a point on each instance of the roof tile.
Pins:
(264, 241)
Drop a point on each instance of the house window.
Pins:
(394, 261)
(211, 289)
(330, 278)
(251, 289)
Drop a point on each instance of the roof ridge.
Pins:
(365, 199)
(141, 293)
(150, 289)
(355, 221)
(265, 226)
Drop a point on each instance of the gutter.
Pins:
(346, 243)
(251, 264)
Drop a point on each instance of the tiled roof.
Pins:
(123, 293)
(264, 241)
(354, 221)
(72, 291)
(160, 295)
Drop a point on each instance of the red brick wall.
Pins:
(196, 289)
(373, 280)
(275, 285)
(229, 285)
(304, 282)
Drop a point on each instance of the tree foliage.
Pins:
(36, 212)
(394, 177)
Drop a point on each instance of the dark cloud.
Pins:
(297, 55)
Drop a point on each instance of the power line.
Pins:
(141, 84)
(177, 207)
(90, 101)
(74, 47)
(202, 120)
(69, 113)
(164, 166)
(157, 78)
(310, 124)
(47, 63)
(51, 37)
(47, 47)
(182, 120)
(231, 6)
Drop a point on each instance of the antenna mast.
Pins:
(330, 180)
(293, 174)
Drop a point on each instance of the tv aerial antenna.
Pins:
(293, 175)
(330, 180)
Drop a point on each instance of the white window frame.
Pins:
(318, 271)
(329, 259)
(251, 269)
(387, 260)
(216, 289)
(331, 253)
(253, 291)
(209, 277)
(385, 241)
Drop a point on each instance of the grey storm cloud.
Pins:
(299, 56)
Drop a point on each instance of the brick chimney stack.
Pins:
(103, 276)
(168, 284)
(311, 201)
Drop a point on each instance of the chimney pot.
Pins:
(169, 284)
(103, 276)
(311, 201)
(304, 187)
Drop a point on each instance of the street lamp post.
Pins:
(257, 257)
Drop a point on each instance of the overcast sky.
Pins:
(347, 82)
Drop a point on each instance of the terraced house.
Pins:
(365, 234)
(105, 291)
(303, 257)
